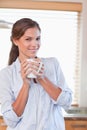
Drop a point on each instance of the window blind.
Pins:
(60, 39)
(77, 64)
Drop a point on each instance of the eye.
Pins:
(38, 38)
(28, 39)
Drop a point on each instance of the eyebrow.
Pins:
(31, 36)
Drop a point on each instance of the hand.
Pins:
(25, 70)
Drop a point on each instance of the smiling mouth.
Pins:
(33, 50)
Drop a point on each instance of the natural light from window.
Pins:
(59, 37)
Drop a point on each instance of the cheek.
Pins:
(39, 45)
(22, 47)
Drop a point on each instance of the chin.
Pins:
(32, 56)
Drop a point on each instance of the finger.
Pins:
(29, 71)
(41, 66)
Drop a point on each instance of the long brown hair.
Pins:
(18, 31)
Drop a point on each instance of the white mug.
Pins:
(31, 75)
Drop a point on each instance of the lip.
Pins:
(33, 50)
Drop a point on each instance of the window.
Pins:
(60, 39)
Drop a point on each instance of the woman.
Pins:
(32, 103)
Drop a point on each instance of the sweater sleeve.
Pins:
(65, 98)
(7, 98)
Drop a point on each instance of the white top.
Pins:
(41, 111)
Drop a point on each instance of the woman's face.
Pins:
(29, 43)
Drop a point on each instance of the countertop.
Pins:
(66, 117)
(74, 113)
(70, 116)
(0, 112)
(75, 117)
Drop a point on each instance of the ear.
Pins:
(15, 42)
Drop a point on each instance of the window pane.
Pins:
(59, 36)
